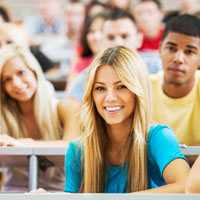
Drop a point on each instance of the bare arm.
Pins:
(68, 110)
(175, 175)
(193, 179)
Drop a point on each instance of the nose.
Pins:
(98, 35)
(111, 96)
(17, 83)
(118, 41)
(179, 57)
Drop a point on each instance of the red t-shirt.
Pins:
(81, 64)
(153, 43)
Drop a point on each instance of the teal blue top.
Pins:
(162, 148)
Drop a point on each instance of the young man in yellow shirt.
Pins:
(176, 90)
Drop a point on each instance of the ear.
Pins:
(140, 39)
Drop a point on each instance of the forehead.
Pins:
(97, 23)
(119, 26)
(181, 40)
(12, 65)
(106, 73)
(147, 5)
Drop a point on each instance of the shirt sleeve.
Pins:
(163, 147)
(73, 176)
(78, 89)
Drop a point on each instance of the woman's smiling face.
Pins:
(114, 101)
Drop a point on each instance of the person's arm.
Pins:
(68, 111)
(175, 175)
(167, 164)
(193, 179)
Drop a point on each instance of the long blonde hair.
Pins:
(45, 106)
(133, 73)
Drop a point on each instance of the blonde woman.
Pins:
(119, 150)
(30, 115)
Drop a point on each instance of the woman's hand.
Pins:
(37, 191)
(6, 140)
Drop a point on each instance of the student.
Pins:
(30, 115)
(91, 43)
(176, 90)
(148, 16)
(119, 151)
(193, 179)
(119, 29)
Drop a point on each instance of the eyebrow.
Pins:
(98, 82)
(188, 46)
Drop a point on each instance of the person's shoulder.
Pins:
(158, 130)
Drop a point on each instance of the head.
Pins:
(74, 15)
(180, 50)
(20, 74)
(188, 6)
(148, 15)
(95, 7)
(11, 33)
(22, 81)
(119, 29)
(92, 37)
(49, 9)
(128, 73)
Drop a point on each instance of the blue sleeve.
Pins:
(73, 173)
(78, 89)
(163, 147)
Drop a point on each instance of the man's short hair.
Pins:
(157, 2)
(117, 13)
(184, 24)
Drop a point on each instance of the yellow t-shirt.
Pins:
(181, 114)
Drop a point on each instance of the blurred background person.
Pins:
(148, 16)
(92, 44)
(45, 25)
(30, 116)
(65, 48)
(94, 7)
(185, 7)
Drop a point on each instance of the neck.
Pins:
(177, 91)
(26, 108)
(153, 33)
(118, 135)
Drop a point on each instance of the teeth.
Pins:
(113, 108)
(21, 91)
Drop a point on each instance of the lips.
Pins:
(22, 91)
(176, 70)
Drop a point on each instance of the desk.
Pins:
(100, 196)
(56, 155)
(191, 150)
(29, 156)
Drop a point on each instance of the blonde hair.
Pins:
(133, 73)
(15, 34)
(45, 106)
